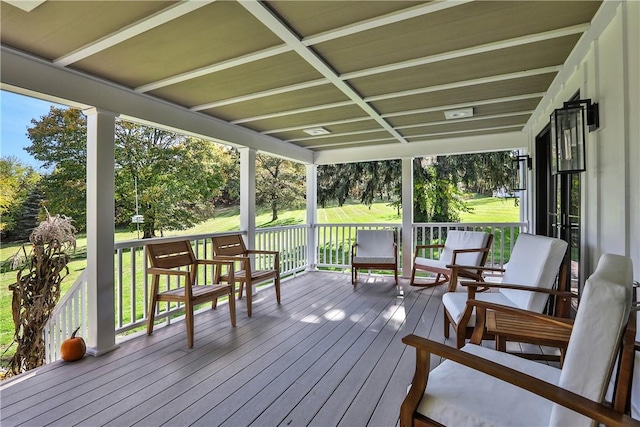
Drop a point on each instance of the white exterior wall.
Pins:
(609, 74)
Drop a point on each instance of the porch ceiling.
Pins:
(369, 72)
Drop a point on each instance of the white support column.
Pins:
(312, 214)
(248, 194)
(407, 216)
(100, 230)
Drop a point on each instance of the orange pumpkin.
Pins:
(73, 348)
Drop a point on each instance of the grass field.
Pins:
(484, 210)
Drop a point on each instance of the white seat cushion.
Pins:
(602, 314)
(456, 303)
(458, 239)
(534, 261)
(434, 263)
(375, 244)
(460, 396)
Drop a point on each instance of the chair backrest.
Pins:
(459, 239)
(171, 254)
(597, 332)
(535, 261)
(375, 243)
(231, 245)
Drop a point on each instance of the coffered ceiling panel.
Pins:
(369, 72)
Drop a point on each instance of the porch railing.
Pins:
(131, 290)
(69, 314)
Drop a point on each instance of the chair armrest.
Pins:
(215, 261)
(517, 287)
(560, 322)
(477, 267)
(158, 270)
(594, 410)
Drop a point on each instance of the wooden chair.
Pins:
(528, 280)
(374, 249)
(475, 386)
(232, 248)
(462, 248)
(166, 259)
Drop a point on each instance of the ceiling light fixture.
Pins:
(461, 113)
(316, 131)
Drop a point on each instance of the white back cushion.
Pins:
(458, 239)
(374, 243)
(595, 338)
(535, 261)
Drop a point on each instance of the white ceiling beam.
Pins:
(466, 104)
(291, 112)
(600, 22)
(257, 95)
(470, 119)
(159, 18)
(445, 146)
(466, 83)
(489, 47)
(26, 5)
(461, 132)
(214, 68)
(380, 21)
(333, 135)
(315, 125)
(443, 122)
(265, 16)
(329, 35)
(342, 144)
(35, 75)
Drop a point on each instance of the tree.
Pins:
(228, 161)
(366, 181)
(18, 186)
(59, 141)
(279, 183)
(177, 177)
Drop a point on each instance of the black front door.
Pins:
(558, 207)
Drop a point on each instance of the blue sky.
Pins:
(16, 112)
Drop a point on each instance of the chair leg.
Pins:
(232, 306)
(189, 322)
(413, 276)
(155, 283)
(395, 275)
(460, 336)
(447, 324)
(249, 297)
(277, 286)
(354, 275)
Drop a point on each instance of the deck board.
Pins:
(330, 354)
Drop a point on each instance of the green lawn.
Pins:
(227, 219)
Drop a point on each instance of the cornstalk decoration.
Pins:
(37, 288)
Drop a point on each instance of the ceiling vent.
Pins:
(461, 113)
(316, 131)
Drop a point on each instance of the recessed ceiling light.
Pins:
(316, 131)
(461, 113)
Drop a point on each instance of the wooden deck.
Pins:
(329, 355)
